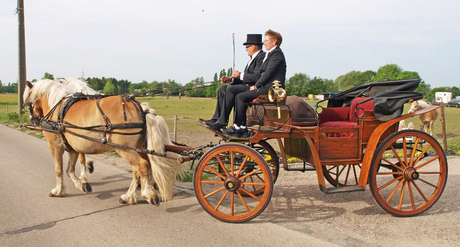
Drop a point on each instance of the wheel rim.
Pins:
(342, 175)
(408, 173)
(220, 182)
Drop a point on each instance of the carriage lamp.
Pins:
(277, 94)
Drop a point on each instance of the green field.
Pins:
(188, 110)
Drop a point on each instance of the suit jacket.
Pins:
(274, 68)
(251, 72)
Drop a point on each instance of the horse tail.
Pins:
(164, 170)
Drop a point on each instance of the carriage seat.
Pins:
(344, 117)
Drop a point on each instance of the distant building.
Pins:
(443, 97)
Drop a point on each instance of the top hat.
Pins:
(253, 39)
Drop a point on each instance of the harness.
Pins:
(62, 126)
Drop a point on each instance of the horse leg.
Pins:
(81, 184)
(83, 175)
(431, 127)
(141, 167)
(130, 197)
(57, 153)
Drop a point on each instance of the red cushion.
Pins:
(367, 106)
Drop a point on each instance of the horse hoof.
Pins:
(87, 188)
(90, 167)
(121, 201)
(156, 201)
(51, 195)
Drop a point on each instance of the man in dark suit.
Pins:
(273, 68)
(239, 82)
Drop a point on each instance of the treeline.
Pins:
(302, 85)
(10, 88)
(299, 84)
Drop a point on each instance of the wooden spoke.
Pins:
(214, 192)
(221, 200)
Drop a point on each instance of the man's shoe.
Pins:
(215, 126)
(234, 132)
(206, 121)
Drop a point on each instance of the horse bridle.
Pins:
(33, 118)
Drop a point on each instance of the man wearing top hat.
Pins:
(273, 68)
(239, 82)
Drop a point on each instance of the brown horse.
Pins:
(427, 119)
(45, 95)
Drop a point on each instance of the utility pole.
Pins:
(22, 55)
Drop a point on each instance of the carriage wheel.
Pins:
(408, 173)
(220, 182)
(269, 154)
(342, 175)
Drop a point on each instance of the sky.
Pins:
(182, 40)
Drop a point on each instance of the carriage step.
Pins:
(350, 188)
(301, 169)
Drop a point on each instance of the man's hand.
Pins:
(235, 74)
(225, 79)
(253, 88)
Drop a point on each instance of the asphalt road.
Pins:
(298, 214)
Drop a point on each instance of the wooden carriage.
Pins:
(351, 143)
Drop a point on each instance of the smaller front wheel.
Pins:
(221, 183)
(408, 173)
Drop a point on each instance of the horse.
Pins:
(427, 119)
(157, 174)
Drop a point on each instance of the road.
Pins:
(298, 214)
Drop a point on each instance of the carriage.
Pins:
(351, 141)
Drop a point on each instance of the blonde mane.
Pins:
(54, 90)
(79, 86)
(423, 104)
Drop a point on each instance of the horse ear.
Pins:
(29, 84)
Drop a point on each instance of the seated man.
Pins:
(273, 68)
(239, 82)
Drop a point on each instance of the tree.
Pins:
(48, 76)
(423, 88)
(109, 88)
(297, 84)
(408, 75)
(349, 80)
(388, 72)
(195, 88)
(316, 86)
(455, 91)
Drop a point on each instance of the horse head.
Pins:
(417, 105)
(414, 107)
(35, 110)
(42, 96)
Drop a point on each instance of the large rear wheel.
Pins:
(222, 183)
(408, 173)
